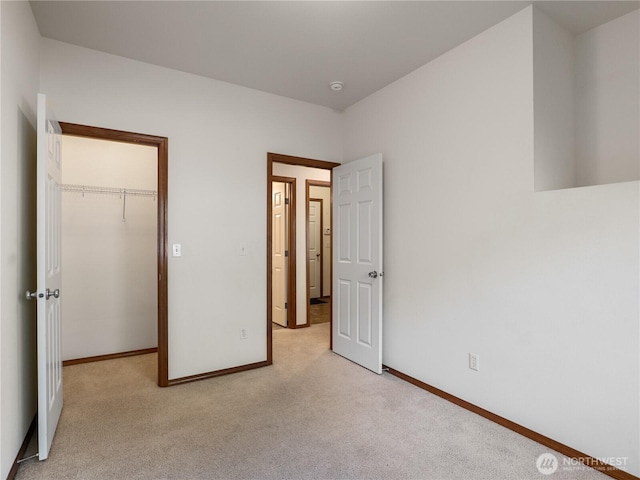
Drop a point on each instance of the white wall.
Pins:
(554, 125)
(2, 462)
(586, 103)
(607, 99)
(110, 266)
(20, 81)
(301, 174)
(325, 194)
(543, 286)
(219, 135)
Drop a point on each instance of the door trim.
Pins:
(162, 144)
(290, 160)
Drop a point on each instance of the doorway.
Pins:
(318, 243)
(160, 197)
(294, 282)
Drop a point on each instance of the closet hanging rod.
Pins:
(109, 190)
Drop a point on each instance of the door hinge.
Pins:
(286, 253)
(286, 305)
(286, 201)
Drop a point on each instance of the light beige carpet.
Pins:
(312, 414)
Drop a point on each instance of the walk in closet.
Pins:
(109, 242)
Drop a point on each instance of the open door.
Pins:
(279, 254)
(357, 262)
(49, 276)
(314, 250)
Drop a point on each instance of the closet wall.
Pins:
(109, 249)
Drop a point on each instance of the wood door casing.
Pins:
(289, 160)
(162, 144)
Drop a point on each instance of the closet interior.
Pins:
(109, 247)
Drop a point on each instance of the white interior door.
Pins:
(49, 276)
(357, 261)
(279, 258)
(314, 254)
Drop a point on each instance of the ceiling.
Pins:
(296, 48)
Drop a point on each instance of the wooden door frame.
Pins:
(291, 241)
(289, 160)
(162, 144)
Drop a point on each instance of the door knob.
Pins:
(32, 295)
(373, 274)
(54, 294)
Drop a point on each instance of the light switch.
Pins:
(177, 250)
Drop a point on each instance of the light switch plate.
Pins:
(177, 250)
(474, 361)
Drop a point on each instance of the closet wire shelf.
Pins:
(122, 192)
(109, 190)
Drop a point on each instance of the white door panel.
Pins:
(314, 255)
(49, 276)
(279, 259)
(357, 270)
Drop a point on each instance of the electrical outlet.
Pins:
(474, 361)
(244, 334)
